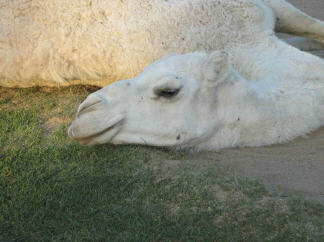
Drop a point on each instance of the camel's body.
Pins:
(52, 42)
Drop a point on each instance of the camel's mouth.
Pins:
(98, 135)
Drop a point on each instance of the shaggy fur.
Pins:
(55, 42)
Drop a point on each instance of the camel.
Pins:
(201, 101)
(98, 42)
(243, 95)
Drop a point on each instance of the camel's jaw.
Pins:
(90, 133)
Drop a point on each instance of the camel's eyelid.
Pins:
(168, 92)
(168, 87)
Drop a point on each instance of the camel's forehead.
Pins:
(185, 66)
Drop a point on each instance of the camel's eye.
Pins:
(167, 93)
(167, 87)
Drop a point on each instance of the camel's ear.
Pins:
(216, 68)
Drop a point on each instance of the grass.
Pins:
(53, 189)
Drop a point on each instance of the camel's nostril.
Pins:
(86, 107)
(89, 104)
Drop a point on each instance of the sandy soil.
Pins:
(314, 8)
(295, 168)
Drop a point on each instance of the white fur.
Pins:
(267, 94)
(55, 42)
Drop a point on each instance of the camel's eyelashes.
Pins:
(167, 93)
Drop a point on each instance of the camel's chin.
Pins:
(84, 141)
(106, 136)
(95, 136)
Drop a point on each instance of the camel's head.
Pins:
(172, 103)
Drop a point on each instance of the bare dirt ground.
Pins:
(314, 8)
(295, 168)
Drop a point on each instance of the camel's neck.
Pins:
(267, 112)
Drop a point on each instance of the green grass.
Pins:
(53, 189)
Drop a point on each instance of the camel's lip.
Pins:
(87, 139)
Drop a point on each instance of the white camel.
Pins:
(59, 42)
(198, 100)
